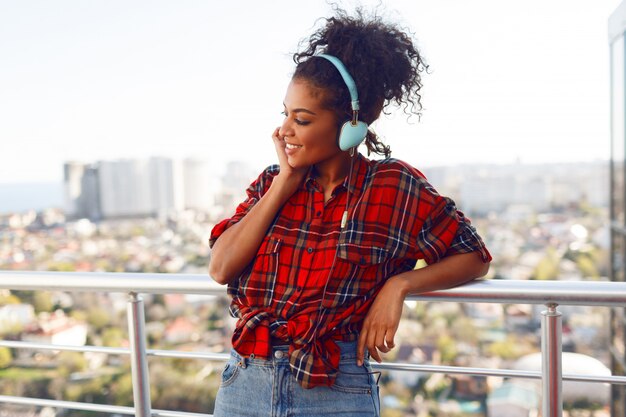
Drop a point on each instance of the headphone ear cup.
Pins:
(351, 135)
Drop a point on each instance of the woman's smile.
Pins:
(291, 148)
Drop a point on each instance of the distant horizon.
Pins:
(262, 166)
(21, 197)
(18, 197)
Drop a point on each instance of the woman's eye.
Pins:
(298, 121)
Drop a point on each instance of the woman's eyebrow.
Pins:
(302, 110)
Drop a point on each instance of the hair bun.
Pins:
(381, 57)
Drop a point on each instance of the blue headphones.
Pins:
(353, 131)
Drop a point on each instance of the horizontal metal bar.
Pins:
(590, 293)
(111, 282)
(116, 351)
(46, 346)
(222, 357)
(587, 293)
(436, 369)
(112, 409)
(164, 413)
(508, 373)
(189, 355)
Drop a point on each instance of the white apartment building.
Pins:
(125, 188)
(201, 185)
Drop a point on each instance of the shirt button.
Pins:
(279, 354)
(319, 213)
(310, 250)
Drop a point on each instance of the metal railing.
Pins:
(548, 293)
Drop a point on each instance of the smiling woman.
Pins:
(309, 131)
(320, 257)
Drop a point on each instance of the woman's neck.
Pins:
(332, 173)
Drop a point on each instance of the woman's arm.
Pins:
(383, 317)
(238, 245)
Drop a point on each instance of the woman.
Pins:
(320, 256)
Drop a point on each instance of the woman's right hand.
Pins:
(290, 175)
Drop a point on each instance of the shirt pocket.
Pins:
(258, 282)
(358, 269)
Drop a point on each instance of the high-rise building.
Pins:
(91, 193)
(617, 29)
(134, 187)
(125, 188)
(201, 185)
(492, 188)
(81, 187)
(72, 187)
(167, 185)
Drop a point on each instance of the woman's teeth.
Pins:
(290, 146)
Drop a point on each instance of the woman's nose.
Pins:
(286, 128)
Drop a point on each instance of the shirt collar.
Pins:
(359, 172)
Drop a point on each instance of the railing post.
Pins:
(138, 358)
(551, 374)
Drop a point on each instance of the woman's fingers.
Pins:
(376, 340)
(279, 143)
(389, 336)
(371, 346)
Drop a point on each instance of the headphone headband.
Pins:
(354, 131)
(347, 78)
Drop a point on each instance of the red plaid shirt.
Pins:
(395, 218)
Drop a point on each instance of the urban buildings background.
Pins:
(149, 187)
(546, 222)
(158, 186)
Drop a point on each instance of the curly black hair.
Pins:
(381, 57)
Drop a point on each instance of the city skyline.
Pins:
(479, 188)
(104, 80)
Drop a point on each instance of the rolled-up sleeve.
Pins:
(468, 240)
(446, 231)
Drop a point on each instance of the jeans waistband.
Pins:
(348, 351)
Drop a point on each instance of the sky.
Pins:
(510, 81)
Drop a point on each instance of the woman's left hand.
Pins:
(382, 320)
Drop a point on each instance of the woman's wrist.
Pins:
(401, 283)
(284, 186)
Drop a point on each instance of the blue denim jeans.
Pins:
(266, 388)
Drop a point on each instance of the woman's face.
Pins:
(309, 130)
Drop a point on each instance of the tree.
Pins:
(70, 362)
(9, 299)
(587, 267)
(112, 337)
(5, 357)
(447, 347)
(506, 349)
(98, 318)
(548, 266)
(42, 301)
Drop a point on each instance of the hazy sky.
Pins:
(103, 79)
